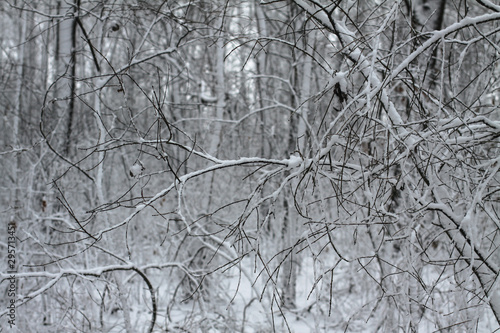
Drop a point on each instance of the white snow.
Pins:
(136, 169)
(294, 161)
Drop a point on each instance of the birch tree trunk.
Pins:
(220, 92)
(65, 72)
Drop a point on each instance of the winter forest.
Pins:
(250, 166)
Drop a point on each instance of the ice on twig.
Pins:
(137, 169)
(294, 161)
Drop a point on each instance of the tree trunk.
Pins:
(220, 91)
(66, 71)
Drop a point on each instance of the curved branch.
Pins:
(489, 5)
(97, 272)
